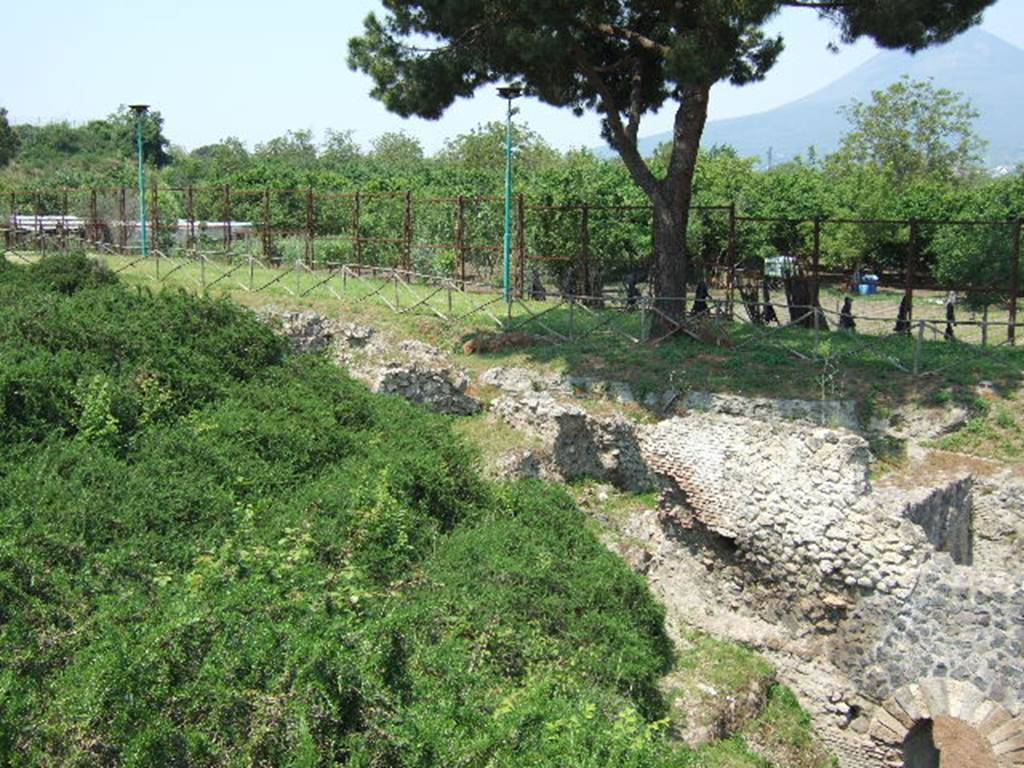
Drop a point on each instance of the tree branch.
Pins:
(821, 5)
(625, 142)
(610, 30)
(635, 100)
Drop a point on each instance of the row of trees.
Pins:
(911, 153)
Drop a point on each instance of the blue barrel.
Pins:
(868, 285)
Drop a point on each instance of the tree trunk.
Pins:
(671, 200)
(668, 272)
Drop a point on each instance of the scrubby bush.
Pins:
(213, 555)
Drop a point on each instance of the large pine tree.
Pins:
(623, 58)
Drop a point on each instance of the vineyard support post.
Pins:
(918, 346)
(94, 216)
(910, 270)
(123, 211)
(357, 243)
(190, 212)
(732, 260)
(268, 243)
(154, 218)
(520, 246)
(407, 233)
(1011, 329)
(460, 241)
(816, 274)
(227, 221)
(64, 221)
(310, 228)
(584, 250)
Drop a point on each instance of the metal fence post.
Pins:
(1011, 328)
(310, 228)
(585, 248)
(94, 216)
(731, 278)
(520, 245)
(123, 210)
(357, 244)
(10, 224)
(154, 219)
(407, 233)
(460, 241)
(816, 274)
(918, 345)
(64, 220)
(268, 244)
(40, 235)
(227, 221)
(910, 269)
(190, 212)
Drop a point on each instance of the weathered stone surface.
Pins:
(523, 381)
(439, 388)
(410, 369)
(578, 444)
(833, 413)
(306, 331)
(918, 423)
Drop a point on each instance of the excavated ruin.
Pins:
(895, 609)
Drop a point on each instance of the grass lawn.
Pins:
(602, 343)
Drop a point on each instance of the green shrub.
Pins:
(214, 556)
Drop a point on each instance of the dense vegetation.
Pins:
(910, 153)
(214, 554)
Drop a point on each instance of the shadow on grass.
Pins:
(752, 361)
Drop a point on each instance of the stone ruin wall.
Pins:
(808, 528)
(899, 586)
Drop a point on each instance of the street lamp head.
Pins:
(510, 91)
(139, 109)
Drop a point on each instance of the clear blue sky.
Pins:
(255, 69)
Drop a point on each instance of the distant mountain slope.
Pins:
(988, 70)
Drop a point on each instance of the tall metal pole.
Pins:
(507, 248)
(140, 110)
(508, 92)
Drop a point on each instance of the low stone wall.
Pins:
(577, 444)
(795, 501)
(409, 369)
(999, 520)
(830, 413)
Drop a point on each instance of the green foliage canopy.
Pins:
(8, 139)
(911, 130)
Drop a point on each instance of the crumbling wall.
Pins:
(945, 515)
(577, 444)
(795, 501)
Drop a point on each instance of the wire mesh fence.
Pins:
(577, 269)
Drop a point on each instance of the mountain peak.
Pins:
(983, 67)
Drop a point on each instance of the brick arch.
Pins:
(937, 697)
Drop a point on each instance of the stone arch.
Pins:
(936, 699)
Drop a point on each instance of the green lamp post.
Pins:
(140, 110)
(509, 93)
